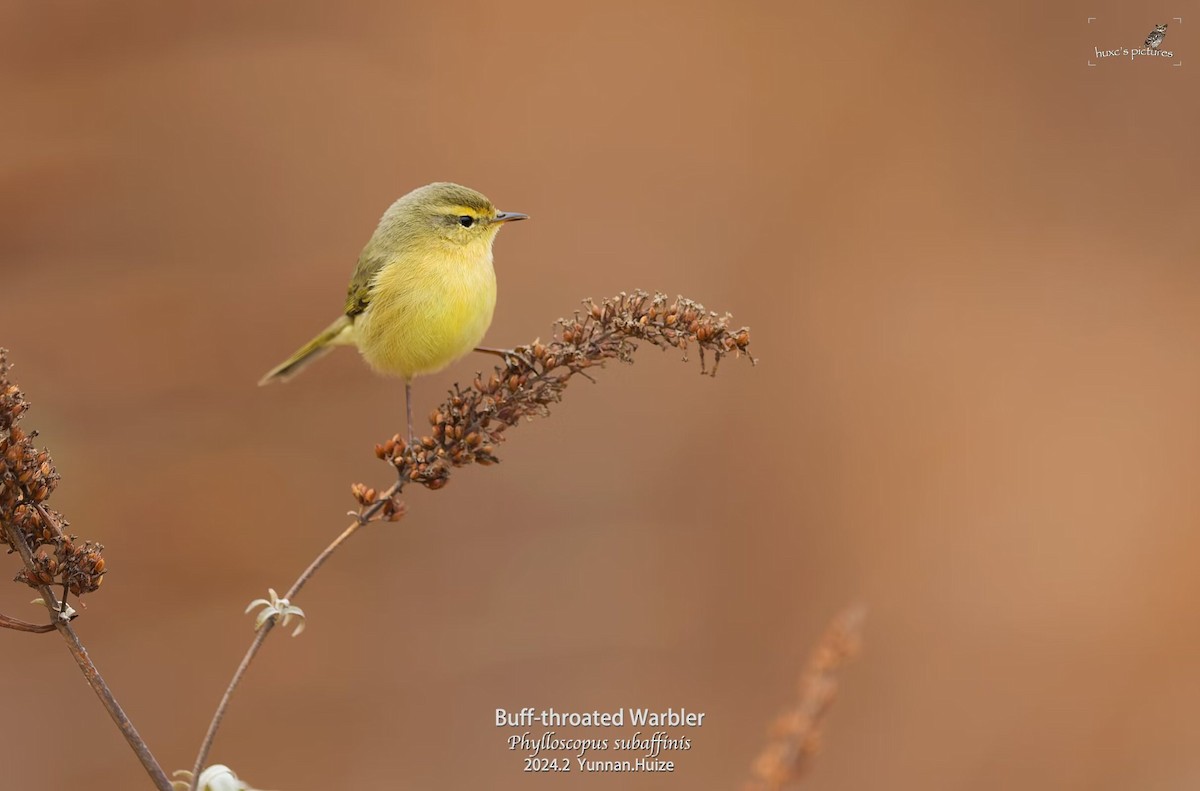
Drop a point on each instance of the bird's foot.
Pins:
(511, 356)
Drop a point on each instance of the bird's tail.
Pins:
(340, 333)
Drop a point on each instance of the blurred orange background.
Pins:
(969, 261)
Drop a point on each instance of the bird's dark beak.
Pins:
(509, 216)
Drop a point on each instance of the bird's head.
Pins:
(450, 214)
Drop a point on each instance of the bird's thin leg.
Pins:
(408, 407)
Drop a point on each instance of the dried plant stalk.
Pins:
(795, 738)
(471, 422)
(469, 425)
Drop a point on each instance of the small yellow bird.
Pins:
(424, 289)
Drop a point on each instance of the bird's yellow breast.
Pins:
(427, 310)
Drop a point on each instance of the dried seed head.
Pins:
(27, 479)
(795, 737)
(466, 428)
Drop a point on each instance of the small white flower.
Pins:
(217, 777)
(63, 615)
(275, 607)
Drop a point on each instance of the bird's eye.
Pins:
(466, 221)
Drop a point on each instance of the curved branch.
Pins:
(261, 636)
(90, 672)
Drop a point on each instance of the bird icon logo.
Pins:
(1156, 36)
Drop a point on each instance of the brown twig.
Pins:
(260, 637)
(8, 622)
(17, 624)
(466, 428)
(90, 673)
(795, 738)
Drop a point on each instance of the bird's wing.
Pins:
(358, 296)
